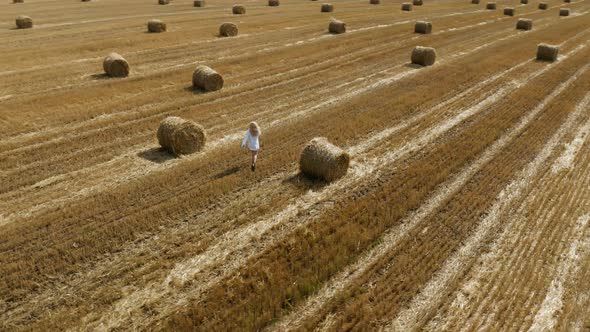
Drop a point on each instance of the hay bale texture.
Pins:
(327, 8)
(273, 3)
(238, 10)
(207, 79)
(24, 22)
(524, 24)
(417, 2)
(163, 2)
(323, 160)
(115, 65)
(491, 5)
(179, 136)
(475, 2)
(199, 3)
(509, 11)
(564, 12)
(543, 5)
(424, 56)
(156, 26)
(524, 2)
(337, 27)
(374, 2)
(546, 52)
(228, 29)
(423, 27)
(406, 6)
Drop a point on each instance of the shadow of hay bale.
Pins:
(304, 183)
(102, 76)
(156, 155)
(413, 65)
(228, 172)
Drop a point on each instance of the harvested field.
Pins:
(460, 198)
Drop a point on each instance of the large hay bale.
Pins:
(491, 5)
(24, 22)
(323, 160)
(337, 27)
(180, 136)
(417, 2)
(327, 8)
(543, 5)
(424, 56)
(374, 2)
(156, 26)
(406, 6)
(273, 3)
(524, 2)
(228, 29)
(207, 79)
(524, 24)
(199, 3)
(238, 10)
(115, 65)
(546, 52)
(564, 12)
(423, 27)
(509, 11)
(163, 2)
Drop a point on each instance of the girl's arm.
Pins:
(245, 139)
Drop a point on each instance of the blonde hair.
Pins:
(254, 129)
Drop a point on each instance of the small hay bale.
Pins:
(179, 136)
(546, 52)
(156, 26)
(337, 27)
(423, 27)
(228, 30)
(475, 2)
(24, 22)
(564, 12)
(567, 1)
(509, 11)
(424, 56)
(85, 0)
(273, 3)
(199, 3)
(406, 6)
(374, 2)
(543, 5)
(524, 2)
(163, 2)
(115, 65)
(207, 79)
(323, 160)
(524, 24)
(238, 10)
(18, 1)
(491, 5)
(417, 2)
(327, 8)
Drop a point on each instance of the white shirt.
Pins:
(251, 141)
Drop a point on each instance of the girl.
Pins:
(251, 140)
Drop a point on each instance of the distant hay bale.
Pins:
(524, 24)
(18, 1)
(163, 2)
(179, 136)
(228, 30)
(323, 160)
(156, 26)
(475, 2)
(327, 8)
(543, 5)
(524, 2)
(374, 2)
(546, 52)
(417, 2)
(337, 27)
(273, 3)
(115, 65)
(568, 1)
(509, 11)
(564, 12)
(24, 22)
(424, 56)
(85, 0)
(423, 27)
(199, 3)
(238, 10)
(207, 79)
(406, 6)
(491, 5)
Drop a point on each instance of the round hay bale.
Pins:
(156, 26)
(207, 79)
(228, 30)
(24, 22)
(323, 160)
(179, 136)
(564, 12)
(509, 11)
(85, 0)
(163, 2)
(199, 3)
(406, 6)
(424, 56)
(417, 2)
(337, 27)
(567, 1)
(423, 27)
(524, 2)
(327, 8)
(115, 65)
(18, 1)
(238, 10)
(524, 24)
(491, 5)
(475, 2)
(546, 52)
(374, 2)
(273, 3)
(543, 6)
